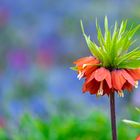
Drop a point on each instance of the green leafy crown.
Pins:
(113, 49)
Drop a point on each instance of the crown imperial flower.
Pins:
(113, 67)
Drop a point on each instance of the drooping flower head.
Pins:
(114, 65)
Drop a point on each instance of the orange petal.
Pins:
(138, 137)
(100, 74)
(106, 89)
(95, 87)
(91, 77)
(87, 86)
(89, 70)
(128, 77)
(127, 86)
(117, 79)
(135, 73)
(90, 65)
(108, 78)
(84, 89)
(92, 87)
(83, 60)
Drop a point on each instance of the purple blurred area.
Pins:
(39, 40)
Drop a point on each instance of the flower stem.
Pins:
(113, 116)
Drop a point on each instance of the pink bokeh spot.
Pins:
(4, 16)
(18, 59)
(44, 57)
(45, 53)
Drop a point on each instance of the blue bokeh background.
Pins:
(39, 40)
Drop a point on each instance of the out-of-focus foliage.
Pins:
(134, 124)
(95, 126)
(3, 134)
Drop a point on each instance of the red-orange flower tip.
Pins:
(138, 137)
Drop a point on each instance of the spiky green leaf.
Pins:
(113, 50)
(132, 123)
(91, 45)
(138, 109)
(74, 68)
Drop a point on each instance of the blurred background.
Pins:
(40, 97)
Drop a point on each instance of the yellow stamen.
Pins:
(136, 84)
(84, 65)
(100, 91)
(121, 94)
(80, 75)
